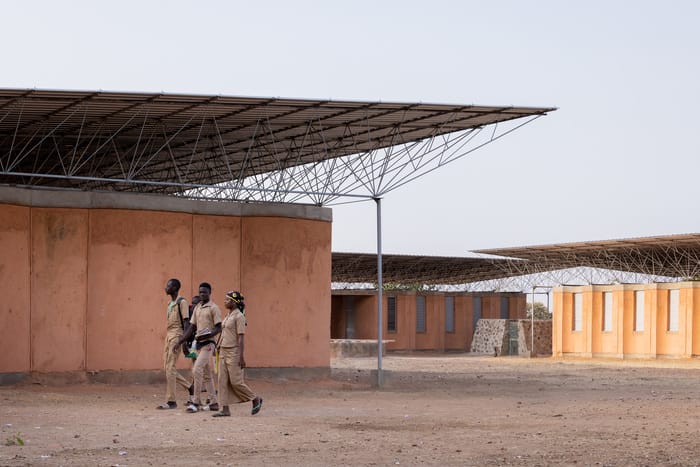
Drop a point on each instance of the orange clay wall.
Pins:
(15, 254)
(338, 321)
(461, 338)
(82, 277)
(622, 340)
(286, 279)
(366, 307)
(405, 335)
(435, 336)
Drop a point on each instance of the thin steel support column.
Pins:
(532, 324)
(380, 286)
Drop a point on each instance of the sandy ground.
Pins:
(445, 409)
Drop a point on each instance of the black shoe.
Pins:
(256, 406)
(167, 405)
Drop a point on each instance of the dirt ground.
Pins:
(434, 409)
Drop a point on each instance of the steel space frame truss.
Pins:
(147, 156)
(663, 262)
(361, 176)
(553, 278)
(677, 261)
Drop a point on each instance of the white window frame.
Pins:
(638, 311)
(607, 311)
(577, 321)
(674, 300)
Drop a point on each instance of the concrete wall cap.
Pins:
(51, 198)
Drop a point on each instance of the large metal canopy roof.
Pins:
(235, 148)
(676, 256)
(671, 256)
(414, 269)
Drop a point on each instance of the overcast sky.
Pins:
(618, 159)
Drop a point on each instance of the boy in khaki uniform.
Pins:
(232, 387)
(177, 318)
(205, 324)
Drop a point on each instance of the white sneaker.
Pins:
(192, 408)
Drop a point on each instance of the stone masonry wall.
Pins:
(356, 348)
(543, 337)
(489, 336)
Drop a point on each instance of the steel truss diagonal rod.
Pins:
(189, 186)
(569, 276)
(195, 152)
(679, 260)
(376, 172)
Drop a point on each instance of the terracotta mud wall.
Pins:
(15, 242)
(405, 337)
(82, 277)
(542, 337)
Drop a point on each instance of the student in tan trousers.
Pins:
(176, 320)
(232, 387)
(191, 351)
(205, 325)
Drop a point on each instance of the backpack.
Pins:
(188, 343)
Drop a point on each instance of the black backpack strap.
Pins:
(179, 312)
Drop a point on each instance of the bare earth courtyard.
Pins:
(435, 409)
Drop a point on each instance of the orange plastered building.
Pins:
(658, 320)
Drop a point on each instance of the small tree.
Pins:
(540, 311)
